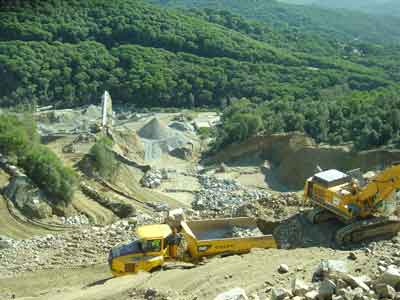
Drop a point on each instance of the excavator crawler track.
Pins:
(320, 215)
(368, 229)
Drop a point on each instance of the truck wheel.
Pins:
(156, 269)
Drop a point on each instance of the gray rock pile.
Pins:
(153, 178)
(331, 281)
(71, 249)
(75, 220)
(181, 126)
(155, 130)
(246, 232)
(223, 195)
(158, 139)
(276, 201)
(184, 152)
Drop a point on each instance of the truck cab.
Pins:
(145, 253)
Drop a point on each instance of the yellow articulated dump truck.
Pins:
(188, 241)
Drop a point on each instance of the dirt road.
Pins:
(253, 272)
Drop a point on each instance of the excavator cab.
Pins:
(330, 190)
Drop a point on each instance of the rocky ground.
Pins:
(369, 272)
(80, 247)
(39, 262)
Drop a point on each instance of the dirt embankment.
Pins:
(295, 157)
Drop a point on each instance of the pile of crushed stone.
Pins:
(155, 130)
(158, 139)
(246, 232)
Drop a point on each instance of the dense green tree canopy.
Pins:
(66, 53)
(366, 119)
(343, 25)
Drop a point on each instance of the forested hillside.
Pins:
(66, 53)
(378, 7)
(392, 7)
(338, 24)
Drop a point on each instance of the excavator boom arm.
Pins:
(381, 186)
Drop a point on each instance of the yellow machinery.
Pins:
(366, 206)
(187, 241)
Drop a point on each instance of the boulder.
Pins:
(233, 294)
(299, 287)
(122, 210)
(341, 284)
(358, 293)
(185, 152)
(385, 291)
(391, 276)
(283, 269)
(352, 256)
(175, 217)
(150, 293)
(360, 282)
(37, 210)
(5, 242)
(27, 198)
(330, 269)
(279, 293)
(63, 209)
(311, 295)
(326, 289)
(346, 293)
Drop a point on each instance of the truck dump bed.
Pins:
(226, 236)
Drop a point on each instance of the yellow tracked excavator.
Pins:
(366, 206)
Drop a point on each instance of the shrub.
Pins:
(13, 137)
(18, 138)
(48, 172)
(103, 160)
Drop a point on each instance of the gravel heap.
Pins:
(331, 281)
(158, 139)
(75, 220)
(155, 130)
(153, 178)
(223, 195)
(80, 247)
(246, 232)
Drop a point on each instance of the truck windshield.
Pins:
(126, 249)
(150, 245)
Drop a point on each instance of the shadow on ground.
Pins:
(98, 282)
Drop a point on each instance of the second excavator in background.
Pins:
(366, 206)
